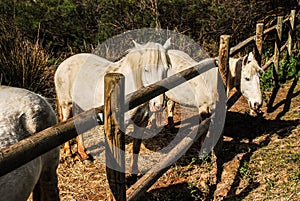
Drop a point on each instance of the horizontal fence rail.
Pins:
(234, 50)
(25, 150)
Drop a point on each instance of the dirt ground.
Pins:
(260, 159)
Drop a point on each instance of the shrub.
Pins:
(289, 69)
(24, 64)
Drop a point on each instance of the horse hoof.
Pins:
(171, 128)
(87, 159)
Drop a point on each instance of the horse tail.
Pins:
(58, 107)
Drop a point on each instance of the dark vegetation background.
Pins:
(36, 35)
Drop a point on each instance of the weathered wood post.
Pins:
(277, 47)
(259, 41)
(224, 70)
(114, 86)
(224, 57)
(291, 31)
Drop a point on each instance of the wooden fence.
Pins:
(24, 151)
(279, 46)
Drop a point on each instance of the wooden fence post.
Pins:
(224, 57)
(114, 86)
(278, 43)
(259, 41)
(291, 31)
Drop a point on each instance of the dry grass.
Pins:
(23, 63)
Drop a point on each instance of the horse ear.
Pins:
(167, 44)
(251, 56)
(260, 71)
(245, 60)
(136, 44)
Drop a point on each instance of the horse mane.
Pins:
(238, 73)
(250, 68)
(155, 55)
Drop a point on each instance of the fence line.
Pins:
(278, 48)
(25, 150)
(22, 152)
(235, 49)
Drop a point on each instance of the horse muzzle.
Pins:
(155, 107)
(256, 106)
(255, 109)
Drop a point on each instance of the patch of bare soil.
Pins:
(260, 159)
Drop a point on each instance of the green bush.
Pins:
(289, 69)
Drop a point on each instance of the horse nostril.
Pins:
(257, 105)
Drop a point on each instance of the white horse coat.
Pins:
(244, 74)
(201, 91)
(79, 82)
(24, 113)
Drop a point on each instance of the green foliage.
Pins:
(68, 25)
(65, 27)
(289, 68)
(267, 80)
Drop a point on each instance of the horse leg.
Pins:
(137, 141)
(252, 113)
(81, 148)
(170, 113)
(46, 188)
(65, 112)
(204, 113)
(152, 122)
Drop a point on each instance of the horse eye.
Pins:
(247, 78)
(147, 69)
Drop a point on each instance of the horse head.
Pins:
(250, 82)
(151, 63)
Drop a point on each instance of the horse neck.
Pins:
(125, 67)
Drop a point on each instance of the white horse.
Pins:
(201, 91)
(79, 81)
(244, 74)
(24, 113)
